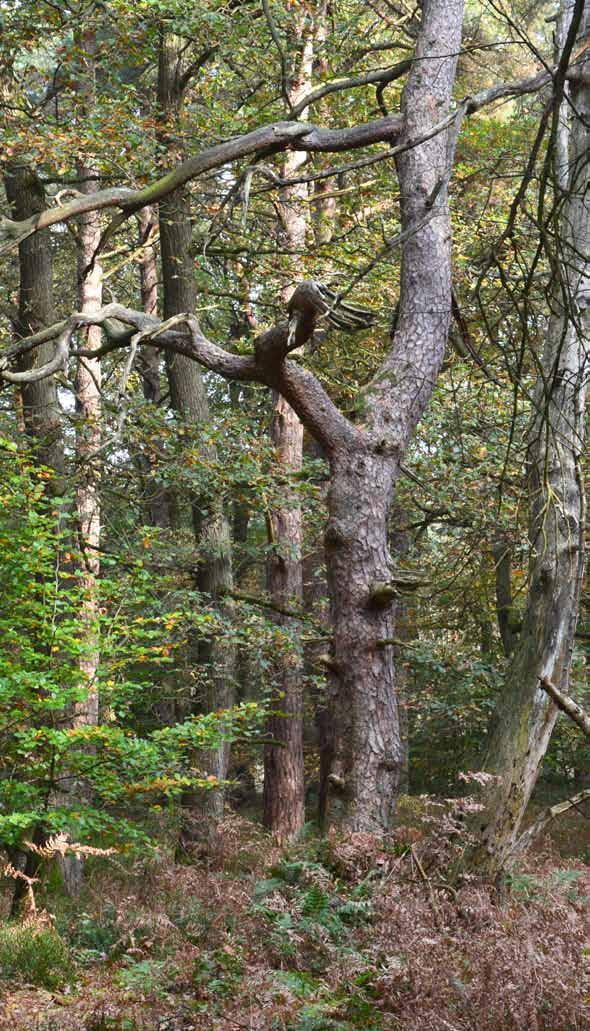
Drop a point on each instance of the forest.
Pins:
(294, 613)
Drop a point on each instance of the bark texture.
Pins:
(284, 789)
(525, 715)
(368, 748)
(40, 403)
(88, 413)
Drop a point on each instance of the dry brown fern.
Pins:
(60, 845)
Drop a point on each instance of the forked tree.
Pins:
(365, 455)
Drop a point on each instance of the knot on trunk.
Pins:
(402, 581)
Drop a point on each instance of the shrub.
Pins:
(34, 955)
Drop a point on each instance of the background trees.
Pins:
(362, 129)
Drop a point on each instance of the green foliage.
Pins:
(302, 903)
(34, 955)
(216, 974)
(145, 975)
(527, 886)
(118, 770)
(94, 938)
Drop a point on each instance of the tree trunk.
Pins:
(284, 788)
(88, 424)
(525, 715)
(87, 446)
(35, 311)
(157, 504)
(40, 406)
(368, 749)
(189, 399)
(501, 552)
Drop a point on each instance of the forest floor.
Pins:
(338, 934)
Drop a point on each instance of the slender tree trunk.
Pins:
(189, 399)
(40, 406)
(284, 789)
(525, 715)
(88, 422)
(501, 552)
(157, 505)
(36, 310)
(87, 446)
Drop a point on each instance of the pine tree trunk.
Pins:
(284, 788)
(367, 746)
(368, 753)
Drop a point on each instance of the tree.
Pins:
(366, 450)
(525, 715)
(284, 790)
(364, 458)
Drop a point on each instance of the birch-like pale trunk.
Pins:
(525, 714)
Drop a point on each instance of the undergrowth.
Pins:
(339, 934)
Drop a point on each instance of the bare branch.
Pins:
(567, 705)
(56, 364)
(549, 814)
(277, 42)
(266, 140)
(378, 75)
(182, 334)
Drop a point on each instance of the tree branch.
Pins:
(378, 75)
(546, 816)
(266, 140)
(567, 705)
(182, 334)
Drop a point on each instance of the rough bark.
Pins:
(284, 790)
(525, 715)
(368, 750)
(40, 403)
